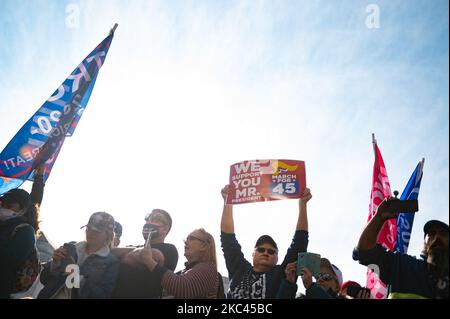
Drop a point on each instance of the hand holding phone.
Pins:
(357, 292)
(402, 206)
(310, 261)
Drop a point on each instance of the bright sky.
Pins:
(190, 87)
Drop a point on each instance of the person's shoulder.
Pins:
(207, 264)
(112, 258)
(165, 247)
(411, 260)
(22, 229)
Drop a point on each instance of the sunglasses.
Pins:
(325, 276)
(190, 238)
(262, 250)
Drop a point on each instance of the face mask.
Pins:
(6, 214)
(149, 228)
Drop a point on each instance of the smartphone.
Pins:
(71, 251)
(353, 291)
(403, 206)
(310, 261)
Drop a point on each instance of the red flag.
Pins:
(388, 234)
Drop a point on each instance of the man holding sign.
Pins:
(261, 279)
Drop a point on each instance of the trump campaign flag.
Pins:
(42, 137)
(405, 220)
(381, 189)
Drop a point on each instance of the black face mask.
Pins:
(149, 228)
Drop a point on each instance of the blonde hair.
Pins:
(210, 252)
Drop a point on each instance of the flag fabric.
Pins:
(57, 118)
(381, 189)
(405, 220)
(7, 183)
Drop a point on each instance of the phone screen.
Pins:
(310, 261)
(353, 291)
(403, 206)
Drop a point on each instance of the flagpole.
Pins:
(422, 162)
(113, 29)
(374, 142)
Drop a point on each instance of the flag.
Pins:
(387, 236)
(7, 183)
(56, 119)
(405, 220)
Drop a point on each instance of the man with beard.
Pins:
(409, 277)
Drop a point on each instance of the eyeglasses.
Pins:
(262, 250)
(190, 238)
(325, 276)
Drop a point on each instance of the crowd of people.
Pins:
(98, 268)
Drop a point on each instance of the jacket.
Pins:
(245, 283)
(408, 276)
(98, 273)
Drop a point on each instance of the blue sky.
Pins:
(191, 87)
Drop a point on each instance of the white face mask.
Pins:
(6, 214)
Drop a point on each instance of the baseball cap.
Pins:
(19, 196)
(326, 263)
(101, 221)
(434, 222)
(266, 239)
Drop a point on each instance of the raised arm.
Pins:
(121, 252)
(227, 223)
(300, 241)
(302, 222)
(368, 238)
(37, 190)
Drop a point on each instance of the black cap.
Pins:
(266, 239)
(18, 196)
(101, 221)
(434, 222)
